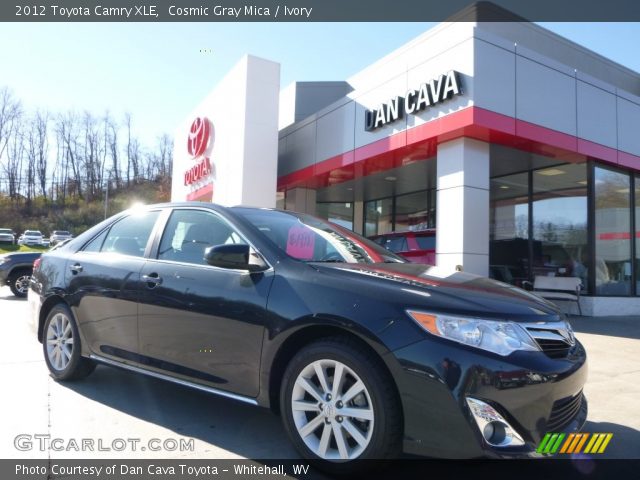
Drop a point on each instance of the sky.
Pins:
(160, 72)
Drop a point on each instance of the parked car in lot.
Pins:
(15, 271)
(362, 353)
(59, 236)
(31, 238)
(417, 247)
(7, 236)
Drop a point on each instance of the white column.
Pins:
(242, 146)
(301, 200)
(462, 238)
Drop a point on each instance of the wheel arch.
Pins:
(311, 333)
(19, 268)
(46, 307)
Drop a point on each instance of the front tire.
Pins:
(339, 405)
(19, 283)
(62, 347)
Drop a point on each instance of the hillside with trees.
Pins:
(60, 170)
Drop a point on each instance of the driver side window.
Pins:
(189, 232)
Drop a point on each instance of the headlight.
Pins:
(502, 338)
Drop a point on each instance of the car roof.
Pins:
(215, 206)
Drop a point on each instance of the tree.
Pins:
(13, 168)
(10, 116)
(40, 124)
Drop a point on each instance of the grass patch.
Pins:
(6, 248)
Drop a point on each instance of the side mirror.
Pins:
(233, 256)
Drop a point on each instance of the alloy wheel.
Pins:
(332, 410)
(59, 341)
(22, 284)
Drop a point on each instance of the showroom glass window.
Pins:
(340, 213)
(509, 228)
(612, 232)
(559, 226)
(408, 212)
(378, 217)
(415, 211)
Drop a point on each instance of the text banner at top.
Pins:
(318, 10)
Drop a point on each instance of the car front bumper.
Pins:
(534, 393)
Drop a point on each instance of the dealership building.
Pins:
(520, 147)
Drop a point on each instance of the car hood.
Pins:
(453, 292)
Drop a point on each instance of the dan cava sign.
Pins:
(430, 93)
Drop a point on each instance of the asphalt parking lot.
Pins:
(115, 407)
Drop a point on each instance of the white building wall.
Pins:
(243, 109)
(516, 69)
(628, 122)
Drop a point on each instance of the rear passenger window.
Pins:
(96, 244)
(130, 235)
(189, 232)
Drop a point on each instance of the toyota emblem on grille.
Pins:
(567, 334)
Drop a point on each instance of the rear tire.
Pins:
(335, 425)
(62, 347)
(19, 282)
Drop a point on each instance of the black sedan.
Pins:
(362, 353)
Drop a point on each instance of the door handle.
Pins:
(152, 280)
(75, 269)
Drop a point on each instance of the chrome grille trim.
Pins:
(555, 339)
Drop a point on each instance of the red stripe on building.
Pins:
(420, 143)
(616, 236)
(203, 194)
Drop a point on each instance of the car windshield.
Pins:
(310, 239)
(5, 230)
(33, 232)
(61, 232)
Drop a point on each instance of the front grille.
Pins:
(554, 348)
(555, 339)
(563, 411)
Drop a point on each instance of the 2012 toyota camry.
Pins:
(362, 353)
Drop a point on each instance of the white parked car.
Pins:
(58, 236)
(31, 237)
(7, 236)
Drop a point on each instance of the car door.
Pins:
(103, 284)
(197, 321)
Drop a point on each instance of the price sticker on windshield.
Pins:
(301, 243)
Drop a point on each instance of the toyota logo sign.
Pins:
(199, 134)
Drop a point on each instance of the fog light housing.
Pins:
(495, 430)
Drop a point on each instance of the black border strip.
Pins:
(322, 11)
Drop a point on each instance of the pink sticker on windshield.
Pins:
(301, 243)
